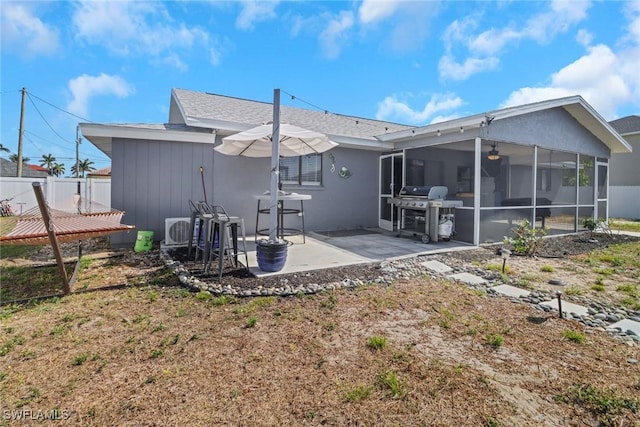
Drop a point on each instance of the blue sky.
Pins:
(412, 62)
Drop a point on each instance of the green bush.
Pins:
(526, 240)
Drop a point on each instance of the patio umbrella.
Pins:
(275, 140)
(256, 142)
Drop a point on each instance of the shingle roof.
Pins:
(626, 125)
(199, 108)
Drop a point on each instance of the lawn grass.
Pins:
(625, 225)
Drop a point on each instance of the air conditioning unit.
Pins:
(176, 231)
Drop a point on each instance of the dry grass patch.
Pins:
(129, 347)
(418, 352)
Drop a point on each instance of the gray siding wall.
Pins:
(624, 202)
(624, 182)
(623, 169)
(555, 129)
(154, 180)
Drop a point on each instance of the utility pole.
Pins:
(77, 195)
(21, 133)
(78, 155)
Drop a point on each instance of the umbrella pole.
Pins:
(204, 189)
(275, 167)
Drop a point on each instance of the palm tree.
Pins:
(48, 160)
(14, 158)
(57, 169)
(83, 166)
(4, 149)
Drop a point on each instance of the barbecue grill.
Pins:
(419, 212)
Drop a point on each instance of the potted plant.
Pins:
(271, 254)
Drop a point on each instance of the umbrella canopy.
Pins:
(256, 142)
(275, 140)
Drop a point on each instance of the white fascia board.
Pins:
(155, 134)
(473, 122)
(449, 127)
(599, 127)
(361, 144)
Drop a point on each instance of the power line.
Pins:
(45, 120)
(58, 108)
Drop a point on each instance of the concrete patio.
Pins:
(342, 248)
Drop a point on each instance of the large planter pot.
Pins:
(271, 254)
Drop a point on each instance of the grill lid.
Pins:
(435, 192)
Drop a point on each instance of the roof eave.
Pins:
(598, 127)
(102, 135)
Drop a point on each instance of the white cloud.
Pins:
(176, 62)
(134, 28)
(408, 25)
(85, 87)
(632, 10)
(335, 36)
(450, 69)
(214, 56)
(255, 11)
(371, 11)
(25, 33)
(493, 41)
(563, 14)
(599, 77)
(392, 108)
(584, 37)
(483, 49)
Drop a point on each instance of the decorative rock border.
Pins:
(599, 317)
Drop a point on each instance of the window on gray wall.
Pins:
(301, 170)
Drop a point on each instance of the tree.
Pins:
(83, 166)
(48, 160)
(4, 149)
(14, 158)
(57, 169)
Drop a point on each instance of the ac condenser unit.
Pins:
(176, 231)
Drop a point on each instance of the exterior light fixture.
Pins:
(493, 154)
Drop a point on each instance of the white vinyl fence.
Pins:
(60, 193)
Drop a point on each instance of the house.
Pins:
(624, 184)
(10, 169)
(548, 164)
(100, 173)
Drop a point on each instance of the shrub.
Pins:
(526, 240)
(596, 224)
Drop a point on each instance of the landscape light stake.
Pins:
(559, 294)
(505, 253)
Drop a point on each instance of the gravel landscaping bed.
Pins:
(242, 283)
